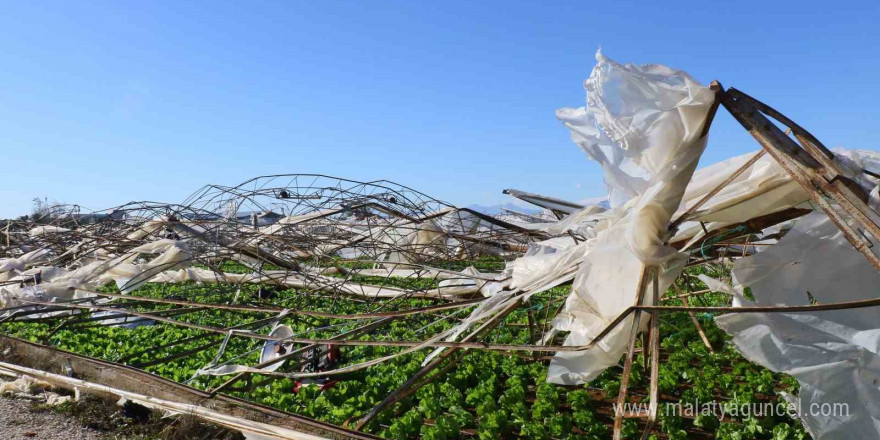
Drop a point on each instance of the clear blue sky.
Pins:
(106, 102)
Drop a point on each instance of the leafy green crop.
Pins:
(488, 395)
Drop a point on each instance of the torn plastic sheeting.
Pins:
(58, 283)
(643, 124)
(401, 232)
(129, 276)
(468, 282)
(63, 285)
(66, 289)
(834, 355)
(25, 385)
(224, 370)
(274, 349)
(761, 189)
(48, 229)
(10, 267)
(34, 389)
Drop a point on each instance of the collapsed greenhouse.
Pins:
(308, 306)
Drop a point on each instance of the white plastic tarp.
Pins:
(834, 355)
(644, 125)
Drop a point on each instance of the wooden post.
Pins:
(627, 366)
(699, 327)
(655, 360)
(810, 166)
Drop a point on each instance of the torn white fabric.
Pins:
(644, 125)
(25, 385)
(10, 267)
(48, 229)
(834, 355)
(129, 275)
(57, 284)
(275, 349)
(61, 284)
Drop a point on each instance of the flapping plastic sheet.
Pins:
(644, 125)
(59, 283)
(10, 267)
(832, 354)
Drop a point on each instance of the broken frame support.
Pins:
(654, 342)
(34, 356)
(811, 165)
(693, 317)
(649, 274)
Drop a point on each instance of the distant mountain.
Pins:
(599, 201)
(532, 210)
(499, 209)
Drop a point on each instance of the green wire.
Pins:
(716, 239)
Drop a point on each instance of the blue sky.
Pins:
(102, 103)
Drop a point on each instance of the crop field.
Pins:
(347, 309)
(487, 394)
(309, 221)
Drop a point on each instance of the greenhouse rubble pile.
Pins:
(647, 127)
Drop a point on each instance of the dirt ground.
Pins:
(94, 418)
(20, 421)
